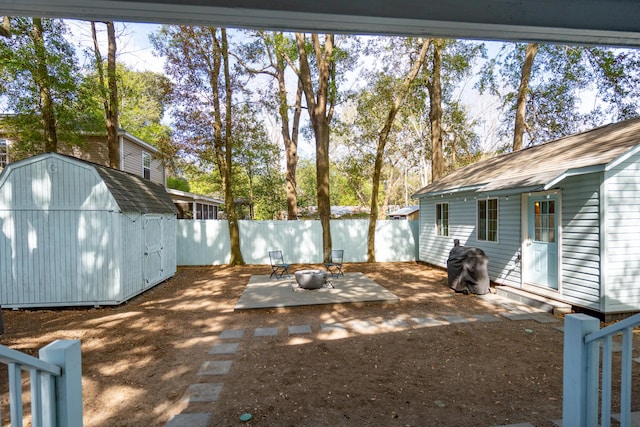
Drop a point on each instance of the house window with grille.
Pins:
(4, 153)
(487, 225)
(442, 219)
(146, 165)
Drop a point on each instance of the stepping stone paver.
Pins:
(203, 392)
(332, 327)
(544, 318)
(485, 318)
(518, 316)
(456, 319)
(427, 321)
(189, 420)
(299, 329)
(229, 334)
(394, 323)
(363, 326)
(637, 359)
(215, 367)
(265, 332)
(226, 348)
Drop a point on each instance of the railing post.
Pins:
(577, 370)
(68, 387)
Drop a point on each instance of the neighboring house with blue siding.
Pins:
(560, 219)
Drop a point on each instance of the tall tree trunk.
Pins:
(320, 116)
(108, 91)
(112, 113)
(523, 89)
(290, 139)
(232, 216)
(383, 136)
(435, 112)
(44, 88)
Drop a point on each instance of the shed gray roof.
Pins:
(543, 165)
(134, 193)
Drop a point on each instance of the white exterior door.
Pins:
(153, 249)
(541, 244)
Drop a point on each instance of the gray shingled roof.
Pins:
(134, 193)
(537, 166)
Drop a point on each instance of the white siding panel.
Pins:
(55, 258)
(132, 248)
(581, 240)
(54, 183)
(622, 236)
(504, 265)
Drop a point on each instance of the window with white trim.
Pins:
(146, 165)
(442, 219)
(487, 225)
(4, 153)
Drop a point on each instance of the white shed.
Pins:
(74, 233)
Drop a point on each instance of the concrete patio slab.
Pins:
(265, 292)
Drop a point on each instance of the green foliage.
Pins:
(560, 77)
(19, 74)
(178, 183)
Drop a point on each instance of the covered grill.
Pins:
(467, 270)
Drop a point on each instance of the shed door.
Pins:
(542, 243)
(153, 250)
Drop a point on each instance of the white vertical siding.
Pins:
(504, 265)
(581, 240)
(63, 240)
(56, 258)
(622, 236)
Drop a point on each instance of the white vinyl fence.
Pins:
(207, 242)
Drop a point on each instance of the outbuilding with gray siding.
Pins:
(74, 233)
(560, 219)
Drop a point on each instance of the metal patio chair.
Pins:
(334, 266)
(278, 267)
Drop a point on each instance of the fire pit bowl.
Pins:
(311, 279)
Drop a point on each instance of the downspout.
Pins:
(121, 153)
(602, 200)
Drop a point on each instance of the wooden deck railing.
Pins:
(583, 375)
(55, 384)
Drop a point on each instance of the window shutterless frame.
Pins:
(442, 219)
(487, 220)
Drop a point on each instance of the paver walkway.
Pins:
(230, 340)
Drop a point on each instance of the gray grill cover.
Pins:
(468, 271)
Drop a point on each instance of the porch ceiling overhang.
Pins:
(605, 22)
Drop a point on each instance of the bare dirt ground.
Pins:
(140, 358)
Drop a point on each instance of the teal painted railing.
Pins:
(55, 384)
(582, 400)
